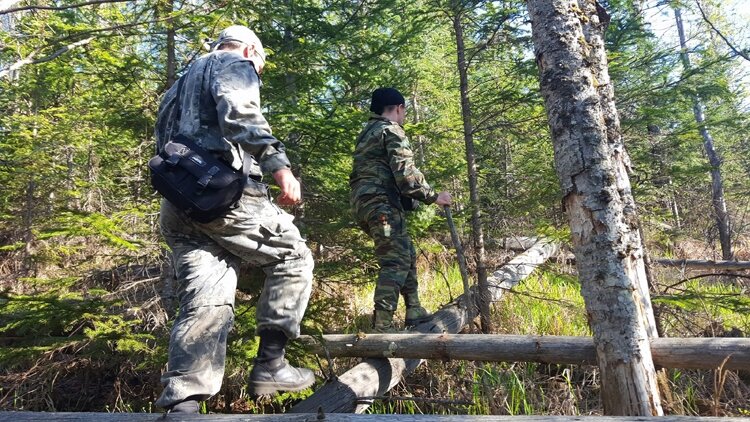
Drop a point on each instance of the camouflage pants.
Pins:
(386, 225)
(207, 259)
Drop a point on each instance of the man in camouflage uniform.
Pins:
(220, 108)
(383, 173)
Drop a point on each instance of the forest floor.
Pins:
(98, 343)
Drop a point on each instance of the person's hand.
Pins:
(444, 198)
(291, 192)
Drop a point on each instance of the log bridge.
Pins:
(389, 357)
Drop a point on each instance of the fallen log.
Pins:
(687, 353)
(374, 377)
(702, 264)
(516, 243)
(521, 243)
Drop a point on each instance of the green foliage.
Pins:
(76, 204)
(54, 320)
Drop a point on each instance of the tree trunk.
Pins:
(471, 164)
(417, 119)
(171, 55)
(717, 186)
(592, 167)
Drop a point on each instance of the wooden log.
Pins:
(333, 417)
(704, 264)
(516, 243)
(374, 377)
(688, 353)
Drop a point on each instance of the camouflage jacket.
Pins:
(384, 167)
(220, 105)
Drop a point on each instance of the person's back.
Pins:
(372, 179)
(383, 172)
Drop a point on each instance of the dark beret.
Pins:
(383, 97)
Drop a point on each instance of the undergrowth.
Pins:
(98, 341)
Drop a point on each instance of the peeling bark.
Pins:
(592, 167)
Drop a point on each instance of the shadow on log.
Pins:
(374, 377)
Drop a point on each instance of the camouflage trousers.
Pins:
(206, 260)
(386, 225)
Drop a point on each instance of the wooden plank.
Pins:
(692, 353)
(332, 417)
(374, 377)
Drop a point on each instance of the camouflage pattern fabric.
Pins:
(220, 109)
(395, 252)
(383, 170)
(384, 166)
(207, 259)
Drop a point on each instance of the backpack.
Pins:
(193, 179)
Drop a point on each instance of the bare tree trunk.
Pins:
(471, 164)
(691, 353)
(417, 118)
(171, 56)
(28, 222)
(294, 137)
(717, 186)
(592, 167)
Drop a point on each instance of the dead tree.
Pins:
(591, 164)
(717, 185)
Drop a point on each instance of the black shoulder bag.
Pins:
(193, 179)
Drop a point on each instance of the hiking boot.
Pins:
(186, 406)
(268, 379)
(382, 322)
(417, 315)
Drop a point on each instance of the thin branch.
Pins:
(30, 59)
(740, 53)
(71, 6)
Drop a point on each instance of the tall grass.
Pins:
(549, 302)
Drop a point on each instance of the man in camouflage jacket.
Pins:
(384, 172)
(219, 107)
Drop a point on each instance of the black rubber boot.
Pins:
(271, 372)
(188, 406)
(265, 379)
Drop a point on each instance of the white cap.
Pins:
(242, 34)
